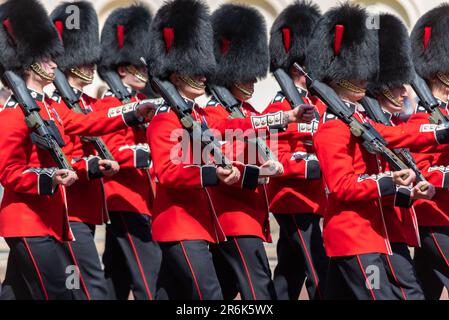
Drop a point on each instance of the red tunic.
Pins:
(354, 222)
(130, 189)
(30, 205)
(435, 168)
(241, 212)
(300, 188)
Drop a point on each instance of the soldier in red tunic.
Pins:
(85, 199)
(184, 222)
(430, 40)
(344, 54)
(33, 213)
(396, 69)
(131, 258)
(297, 197)
(241, 51)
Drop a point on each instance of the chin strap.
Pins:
(192, 83)
(82, 75)
(136, 73)
(37, 68)
(348, 85)
(389, 95)
(246, 93)
(443, 78)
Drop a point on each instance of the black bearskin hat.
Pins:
(430, 42)
(181, 40)
(81, 44)
(125, 37)
(395, 61)
(240, 44)
(26, 35)
(343, 47)
(291, 33)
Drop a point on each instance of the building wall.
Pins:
(408, 10)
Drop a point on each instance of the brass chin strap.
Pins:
(443, 78)
(36, 67)
(192, 83)
(348, 85)
(387, 94)
(82, 75)
(247, 93)
(136, 73)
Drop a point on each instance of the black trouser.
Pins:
(301, 256)
(37, 270)
(188, 272)
(361, 277)
(402, 274)
(432, 261)
(85, 257)
(131, 258)
(242, 267)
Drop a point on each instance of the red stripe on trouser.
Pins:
(395, 278)
(246, 269)
(366, 278)
(79, 270)
(438, 247)
(137, 258)
(191, 270)
(37, 269)
(309, 259)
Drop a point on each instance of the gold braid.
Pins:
(82, 75)
(348, 85)
(389, 95)
(36, 67)
(192, 83)
(136, 73)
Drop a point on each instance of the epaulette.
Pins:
(10, 103)
(56, 97)
(212, 103)
(329, 116)
(163, 109)
(279, 97)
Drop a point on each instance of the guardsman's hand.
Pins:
(64, 177)
(428, 193)
(146, 110)
(301, 113)
(271, 169)
(404, 177)
(108, 167)
(228, 176)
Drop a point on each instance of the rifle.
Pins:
(45, 133)
(232, 105)
(73, 102)
(116, 85)
(371, 138)
(428, 101)
(184, 112)
(288, 87)
(374, 111)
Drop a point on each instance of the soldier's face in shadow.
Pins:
(398, 93)
(190, 87)
(133, 76)
(243, 91)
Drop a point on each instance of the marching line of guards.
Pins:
(187, 230)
